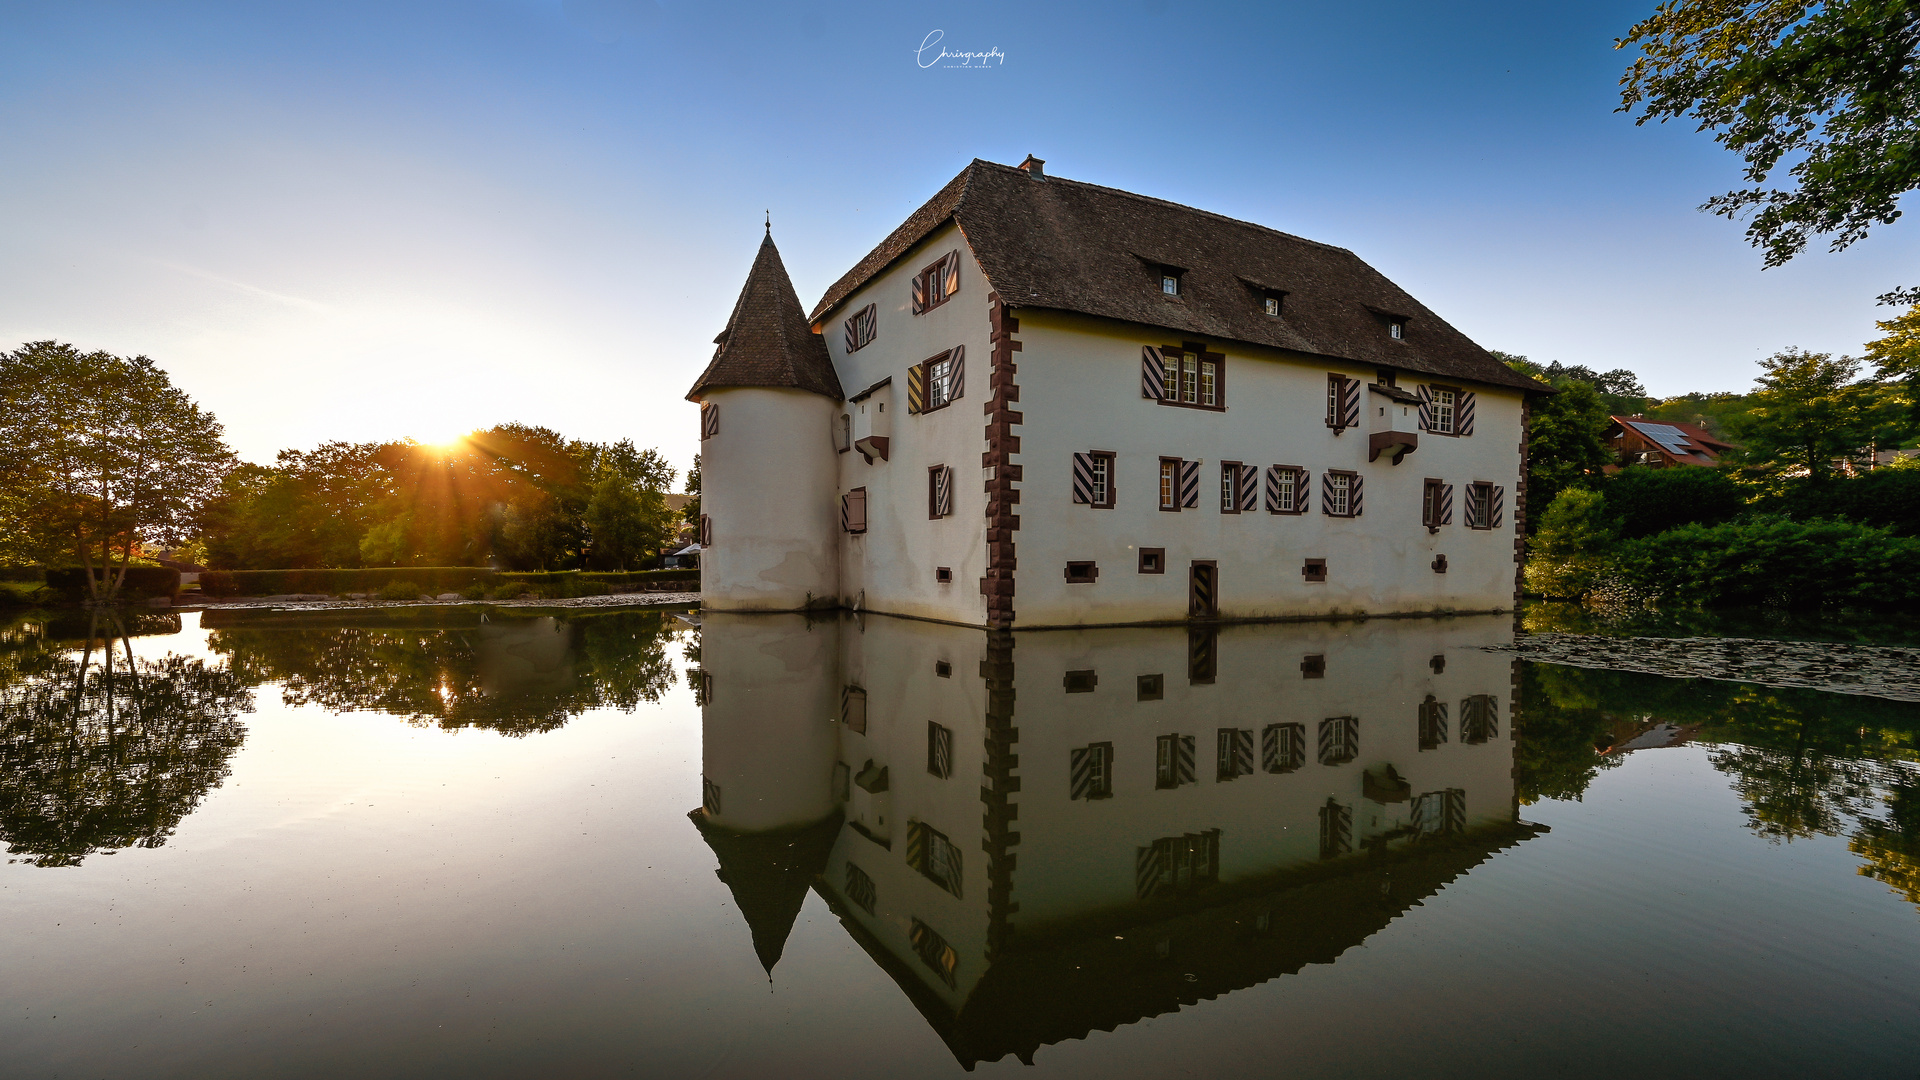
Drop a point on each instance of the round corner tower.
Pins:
(769, 530)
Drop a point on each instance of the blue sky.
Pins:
(366, 221)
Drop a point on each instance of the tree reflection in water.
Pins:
(517, 676)
(102, 751)
(1804, 763)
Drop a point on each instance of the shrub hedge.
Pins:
(34, 574)
(142, 582)
(1889, 498)
(470, 581)
(1774, 561)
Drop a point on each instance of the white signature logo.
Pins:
(963, 59)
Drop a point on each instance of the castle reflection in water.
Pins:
(1042, 834)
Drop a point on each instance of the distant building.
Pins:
(1176, 415)
(1662, 444)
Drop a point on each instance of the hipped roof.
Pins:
(768, 340)
(1070, 246)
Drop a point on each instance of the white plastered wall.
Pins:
(767, 486)
(1080, 391)
(891, 568)
(768, 735)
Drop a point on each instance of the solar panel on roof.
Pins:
(1670, 438)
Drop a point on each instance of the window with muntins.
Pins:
(939, 383)
(930, 852)
(1441, 412)
(1090, 770)
(1093, 479)
(936, 284)
(1229, 482)
(1286, 489)
(1169, 483)
(862, 327)
(1436, 504)
(1338, 491)
(939, 750)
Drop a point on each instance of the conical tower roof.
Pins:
(769, 874)
(768, 341)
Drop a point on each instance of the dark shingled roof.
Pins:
(1069, 246)
(768, 340)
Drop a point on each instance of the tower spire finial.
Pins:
(769, 223)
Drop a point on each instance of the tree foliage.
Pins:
(98, 455)
(1564, 429)
(1643, 502)
(1831, 86)
(513, 495)
(1807, 413)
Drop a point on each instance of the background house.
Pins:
(1636, 440)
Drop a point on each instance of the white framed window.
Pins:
(1339, 494)
(939, 383)
(1442, 410)
(1209, 383)
(1102, 479)
(1396, 330)
(1170, 283)
(1271, 304)
(1169, 483)
(1229, 476)
(1189, 378)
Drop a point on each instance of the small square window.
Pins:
(1081, 682)
(943, 574)
(1438, 663)
(943, 669)
(1153, 560)
(1082, 573)
(1314, 570)
(1313, 667)
(1150, 687)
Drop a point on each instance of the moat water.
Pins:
(620, 843)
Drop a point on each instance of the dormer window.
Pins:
(1270, 303)
(1170, 280)
(1396, 329)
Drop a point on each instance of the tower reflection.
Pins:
(1038, 835)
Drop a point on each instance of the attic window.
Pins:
(1270, 303)
(1396, 329)
(1170, 280)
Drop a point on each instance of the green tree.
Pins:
(1807, 413)
(99, 454)
(692, 510)
(1567, 556)
(1896, 357)
(1643, 501)
(629, 523)
(1563, 434)
(1831, 86)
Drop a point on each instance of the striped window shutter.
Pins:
(1223, 755)
(1336, 829)
(1463, 422)
(1426, 407)
(706, 531)
(1499, 506)
(853, 335)
(1153, 374)
(917, 388)
(1080, 771)
(1189, 484)
(952, 273)
(1283, 747)
(1352, 725)
(1247, 488)
(939, 750)
(1349, 403)
(943, 491)
(957, 373)
(1353, 495)
(709, 420)
(1493, 716)
(1456, 810)
(919, 294)
(869, 323)
(1273, 489)
(1243, 752)
(1149, 865)
(1446, 504)
(1326, 493)
(1183, 767)
(1270, 737)
(1083, 478)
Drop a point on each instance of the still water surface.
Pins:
(610, 845)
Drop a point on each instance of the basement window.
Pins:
(1082, 573)
(1313, 667)
(943, 574)
(1314, 570)
(1081, 682)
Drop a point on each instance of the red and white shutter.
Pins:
(853, 333)
(1274, 476)
(1153, 374)
(1463, 415)
(950, 272)
(709, 420)
(1445, 516)
(706, 531)
(957, 373)
(1353, 494)
(1083, 478)
(1246, 488)
(1349, 403)
(919, 293)
(1498, 500)
(1189, 485)
(1426, 407)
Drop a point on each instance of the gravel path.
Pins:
(1879, 671)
